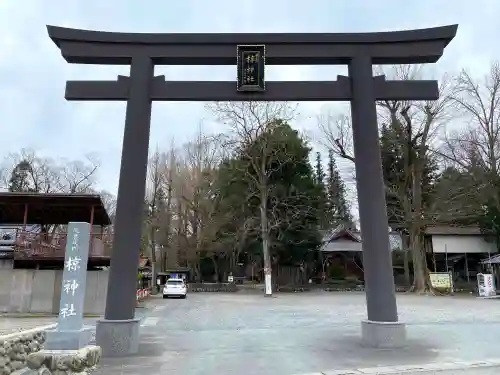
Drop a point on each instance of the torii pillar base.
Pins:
(383, 335)
(118, 338)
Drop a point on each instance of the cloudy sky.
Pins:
(35, 115)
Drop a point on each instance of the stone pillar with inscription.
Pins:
(70, 333)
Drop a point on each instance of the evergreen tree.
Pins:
(489, 221)
(397, 160)
(461, 198)
(393, 171)
(320, 181)
(19, 181)
(331, 184)
(338, 206)
(320, 173)
(294, 196)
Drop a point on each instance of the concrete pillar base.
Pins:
(383, 335)
(118, 338)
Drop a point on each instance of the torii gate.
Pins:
(357, 50)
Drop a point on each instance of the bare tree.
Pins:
(475, 149)
(179, 220)
(250, 124)
(203, 155)
(40, 175)
(167, 214)
(77, 176)
(213, 217)
(28, 172)
(415, 126)
(109, 203)
(336, 131)
(44, 175)
(188, 219)
(155, 196)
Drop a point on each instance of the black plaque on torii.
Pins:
(251, 65)
(360, 51)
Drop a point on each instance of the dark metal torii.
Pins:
(143, 51)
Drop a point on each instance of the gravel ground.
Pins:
(11, 323)
(300, 333)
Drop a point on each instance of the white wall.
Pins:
(455, 244)
(39, 291)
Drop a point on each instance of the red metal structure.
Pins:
(38, 221)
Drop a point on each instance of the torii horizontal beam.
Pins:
(339, 90)
(395, 47)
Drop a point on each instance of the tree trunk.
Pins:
(406, 267)
(233, 259)
(406, 259)
(196, 270)
(153, 254)
(168, 223)
(421, 281)
(264, 226)
(236, 258)
(166, 258)
(216, 269)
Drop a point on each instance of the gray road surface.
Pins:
(12, 324)
(227, 334)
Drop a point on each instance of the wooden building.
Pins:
(33, 228)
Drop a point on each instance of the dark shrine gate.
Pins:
(143, 51)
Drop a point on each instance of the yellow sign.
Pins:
(441, 280)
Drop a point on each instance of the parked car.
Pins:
(175, 288)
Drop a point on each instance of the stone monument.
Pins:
(66, 350)
(70, 333)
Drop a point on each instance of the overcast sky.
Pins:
(35, 115)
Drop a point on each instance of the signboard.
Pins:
(441, 280)
(74, 277)
(230, 279)
(251, 63)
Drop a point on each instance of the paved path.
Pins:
(301, 333)
(10, 323)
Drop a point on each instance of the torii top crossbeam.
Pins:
(97, 47)
(396, 47)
